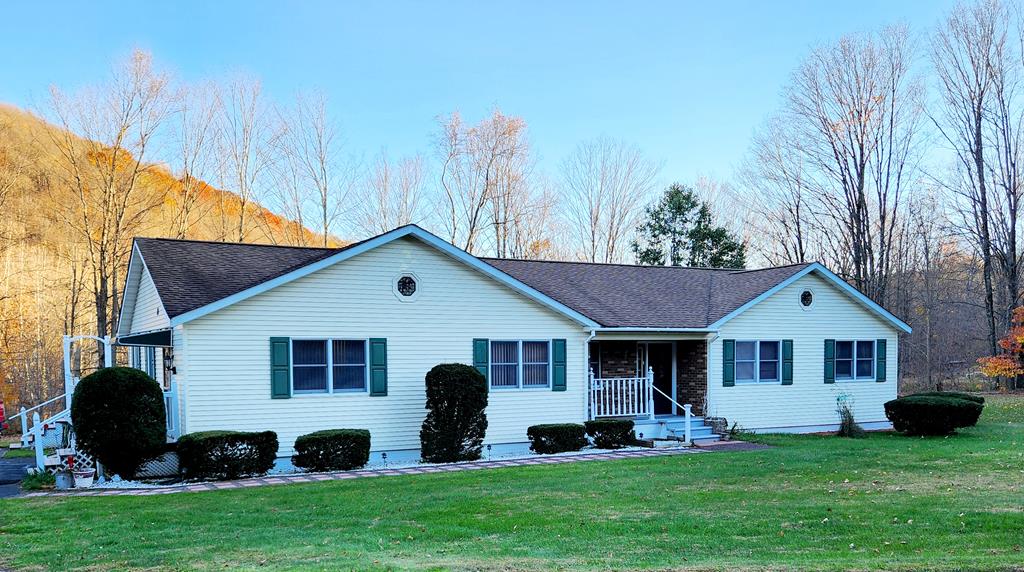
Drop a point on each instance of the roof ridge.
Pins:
(198, 241)
(587, 263)
(748, 270)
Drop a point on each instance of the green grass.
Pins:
(24, 453)
(810, 502)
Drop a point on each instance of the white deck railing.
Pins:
(622, 396)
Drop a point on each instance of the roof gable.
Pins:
(202, 277)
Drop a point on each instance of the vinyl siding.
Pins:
(228, 369)
(148, 313)
(809, 401)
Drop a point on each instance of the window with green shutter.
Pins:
(558, 365)
(728, 363)
(830, 361)
(787, 362)
(280, 368)
(378, 367)
(880, 356)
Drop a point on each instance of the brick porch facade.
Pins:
(612, 359)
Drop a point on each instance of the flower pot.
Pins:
(84, 479)
(63, 480)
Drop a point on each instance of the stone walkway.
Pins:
(414, 470)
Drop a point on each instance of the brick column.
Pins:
(691, 373)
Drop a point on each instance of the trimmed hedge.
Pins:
(929, 415)
(954, 394)
(118, 416)
(332, 450)
(456, 422)
(557, 437)
(224, 455)
(610, 433)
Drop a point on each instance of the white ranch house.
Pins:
(294, 340)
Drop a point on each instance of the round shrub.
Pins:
(226, 454)
(928, 415)
(456, 423)
(556, 437)
(610, 433)
(332, 450)
(119, 418)
(954, 394)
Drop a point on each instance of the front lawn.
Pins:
(811, 502)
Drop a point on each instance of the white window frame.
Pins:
(757, 364)
(519, 366)
(329, 343)
(853, 361)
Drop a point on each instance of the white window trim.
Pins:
(519, 367)
(853, 360)
(800, 302)
(415, 295)
(330, 367)
(757, 364)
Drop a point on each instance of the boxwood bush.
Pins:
(118, 416)
(930, 415)
(456, 422)
(557, 437)
(332, 450)
(610, 433)
(226, 454)
(955, 394)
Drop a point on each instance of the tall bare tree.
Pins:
(606, 185)
(480, 166)
(966, 52)
(392, 194)
(247, 137)
(314, 146)
(103, 145)
(836, 165)
(195, 140)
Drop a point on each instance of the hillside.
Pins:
(46, 283)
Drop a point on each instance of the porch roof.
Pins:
(646, 297)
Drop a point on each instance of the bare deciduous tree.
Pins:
(195, 137)
(247, 139)
(606, 185)
(103, 146)
(393, 191)
(964, 52)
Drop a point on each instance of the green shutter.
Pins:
(787, 362)
(280, 368)
(481, 356)
(378, 367)
(880, 361)
(558, 365)
(830, 361)
(728, 363)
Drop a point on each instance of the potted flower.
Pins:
(84, 478)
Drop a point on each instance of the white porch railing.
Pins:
(622, 396)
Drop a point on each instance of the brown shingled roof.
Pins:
(190, 274)
(624, 296)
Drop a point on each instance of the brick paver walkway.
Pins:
(414, 470)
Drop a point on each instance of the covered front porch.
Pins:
(652, 380)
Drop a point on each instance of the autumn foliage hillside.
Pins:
(45, 286)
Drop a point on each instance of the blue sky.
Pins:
(687, 82)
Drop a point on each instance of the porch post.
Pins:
(650, 392)
(591, 394)
(69, 385)
(689, 424)
(37, 443)
(108, 352)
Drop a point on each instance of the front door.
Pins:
(658, 357)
